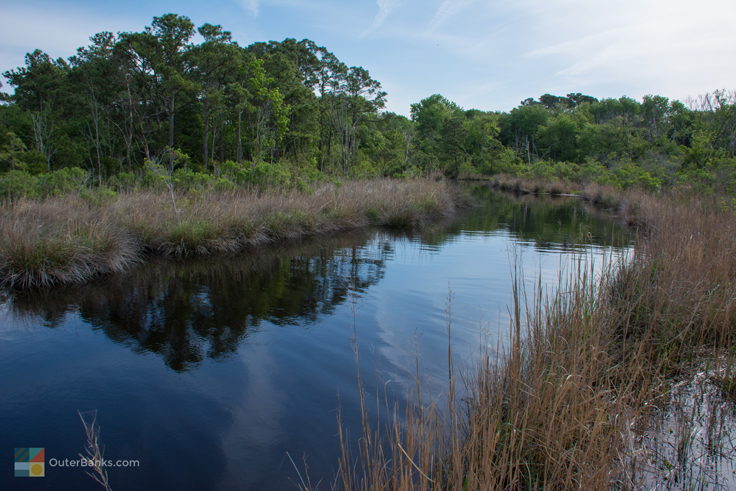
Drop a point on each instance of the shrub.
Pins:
(17, 183)
(270, 175)
(98, 196)
(189, 180)
(629, 175)
(62, 181)
(124, 181)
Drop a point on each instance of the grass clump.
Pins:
(59, 241)
(190, 236)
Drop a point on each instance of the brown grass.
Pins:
(586, 368)
(66, 239)
(60, 241)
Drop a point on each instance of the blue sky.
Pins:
(481, 54)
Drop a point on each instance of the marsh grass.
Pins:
(60, 241)
(588, 371)
(70, 239)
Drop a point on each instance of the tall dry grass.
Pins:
(68, 239)
(60, 241)
(587, 371)
(521, 185)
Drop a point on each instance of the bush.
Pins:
(17, 183)
(124, 181)
(62, 181)
(260, 173)
(97, 196)
(270, 175)
(237, 173)
(155, 175)
(505, 162)
(629, 175)
(189, 180)
(593, 171)
(364, 170)
(550, 170)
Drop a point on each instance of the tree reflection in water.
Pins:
(190, 310)
(186, 311)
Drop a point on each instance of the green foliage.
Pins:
(718, 176)
(97, 196)
(364, 169)
(63, 181)
(17, 183)
(191, 234)
(159, 108)
(548, 170)
(123, 181)
(271, 175)
(505, 161)
(155, 176)
(185, 179)
(264, 174)
(34, 162)
(12, 150)
(628, 175)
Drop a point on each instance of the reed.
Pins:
(93, 451)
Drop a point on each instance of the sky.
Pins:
(483, 54)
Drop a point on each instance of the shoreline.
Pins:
(588, 373)
(65, 240)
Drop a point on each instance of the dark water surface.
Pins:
(209, 371)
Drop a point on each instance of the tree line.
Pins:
(157, 97)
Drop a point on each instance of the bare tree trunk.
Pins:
(40, 136)
(131, 125)
(407, 147)
(172, 106)
(205, 140)
(214, 139)
(239, 155)
(96, 138)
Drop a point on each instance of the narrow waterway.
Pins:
(209, 371)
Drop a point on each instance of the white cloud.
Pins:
(448, 9)
(676, 48)
(495, 51)
(498, 53)
(252, 6)
(385, 8)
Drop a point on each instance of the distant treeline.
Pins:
(155, 99)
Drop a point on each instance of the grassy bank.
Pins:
(606, 196)
(624, 202)
(72, 238)
(589, 371)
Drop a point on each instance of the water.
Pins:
(209, 371)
